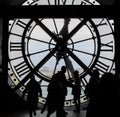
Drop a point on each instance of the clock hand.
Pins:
(51, 34)
(69, 64)
(64, 30)
(38, 66)
(78, 61)
(55, 26)
(64, 33)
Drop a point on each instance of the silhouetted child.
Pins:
(33, 89)
(76, 90)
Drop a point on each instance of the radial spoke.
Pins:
(51, 34)
(55, 26)
(76, 29)
(40, 40)
(78, 60)
(83, 40)
(91, 54)
(82, 52)
(40, 51)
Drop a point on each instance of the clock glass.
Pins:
(36, 47)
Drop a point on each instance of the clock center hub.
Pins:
(61, 45)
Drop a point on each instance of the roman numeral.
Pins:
(84, 81)
(22, 69)
(15, 46)
(58, 2)
(21, 24)
(101, 66)
(107, 46)
(64, 2)
(101, 23)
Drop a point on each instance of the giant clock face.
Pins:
(42, 45)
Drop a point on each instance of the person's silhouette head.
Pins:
(32, 77)
(63, 69)
(95, 73)
(76, 73)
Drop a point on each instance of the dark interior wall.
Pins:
(12, 2)
(107, 2)
(0, 43)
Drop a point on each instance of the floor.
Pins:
(38, 114)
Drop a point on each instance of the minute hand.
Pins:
(76, 29)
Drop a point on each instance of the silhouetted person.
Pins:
(55, 96)
(91, 88)
(91, 93)
(76, 90)
(63, 79)
(33, 89)
(65, 84)
(108, 96)
(57, 90)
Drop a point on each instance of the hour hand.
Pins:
(64, 30)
